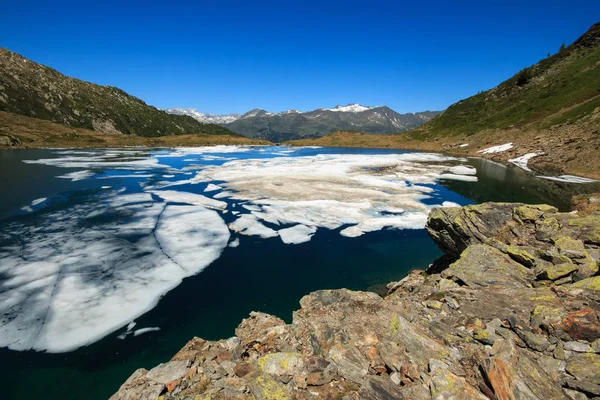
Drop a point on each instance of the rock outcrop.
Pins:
(510, 313)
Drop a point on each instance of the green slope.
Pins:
(34, 90)
(564, 87)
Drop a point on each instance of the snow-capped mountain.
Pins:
(350, 108)
(204, 118)
(294, 124)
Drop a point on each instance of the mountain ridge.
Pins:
(294, 124)
(35, 90)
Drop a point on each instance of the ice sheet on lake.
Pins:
(333, 190)
(189, 198)
(70, 279)
(297, 234)
(455, 177)
(212, 187)
(248, 224)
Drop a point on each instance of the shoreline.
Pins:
(449, 331)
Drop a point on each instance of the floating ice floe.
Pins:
(145, 330)
(297, 234)
(234, 243)
(38, 201)
(456, 177)
(523, 160)
(569, 179)
(497, 149)
(450, 204)
(77, 175)
(72, 278)
(189, 198)
(462, 170)
(212, 187)
(248, 224)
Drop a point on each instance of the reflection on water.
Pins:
(500, 183)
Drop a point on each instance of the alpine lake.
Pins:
(112, 259)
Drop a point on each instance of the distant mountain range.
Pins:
(294, 124)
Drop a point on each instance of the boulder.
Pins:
(482, 265)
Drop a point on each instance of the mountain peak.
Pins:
(202, 117)
(355, 107)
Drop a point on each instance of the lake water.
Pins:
(111, 260)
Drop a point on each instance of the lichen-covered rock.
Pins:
(497, 318)
(481, 265)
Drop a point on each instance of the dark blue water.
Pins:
(259, 275)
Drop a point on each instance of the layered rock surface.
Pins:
(511, 312)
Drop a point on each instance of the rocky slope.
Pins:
(511, 312)
(293, 124)
(35, 90)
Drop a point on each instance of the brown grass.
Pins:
(37, 133)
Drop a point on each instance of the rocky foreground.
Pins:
(511, 312)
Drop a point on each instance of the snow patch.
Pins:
(522, 161)
(497, 149)
(568, 179)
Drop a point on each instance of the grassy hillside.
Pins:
(34, 90)
(562, 88)
(18, 132)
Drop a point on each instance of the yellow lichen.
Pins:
(395, 325)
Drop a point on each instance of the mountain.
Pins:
(35, 90)
(548, 113)
(560, 88)
(293, 124)
(204, 118)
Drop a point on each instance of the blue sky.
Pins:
(231, 56)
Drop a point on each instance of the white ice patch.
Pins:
(212, 187)
(248, 224)
(71, 278)
(222, 194)
(463, 145)
(332, 190)
(569, 179)
(234, 243)
(189, 198)
(191, 236)
(522, 161)
(145, 330)
(497, 149)
(455, 177)
(297, 234)
(38, 201)
(77, 175)
(462, 170)
(450, 204)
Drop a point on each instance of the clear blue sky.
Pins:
(226, 56)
